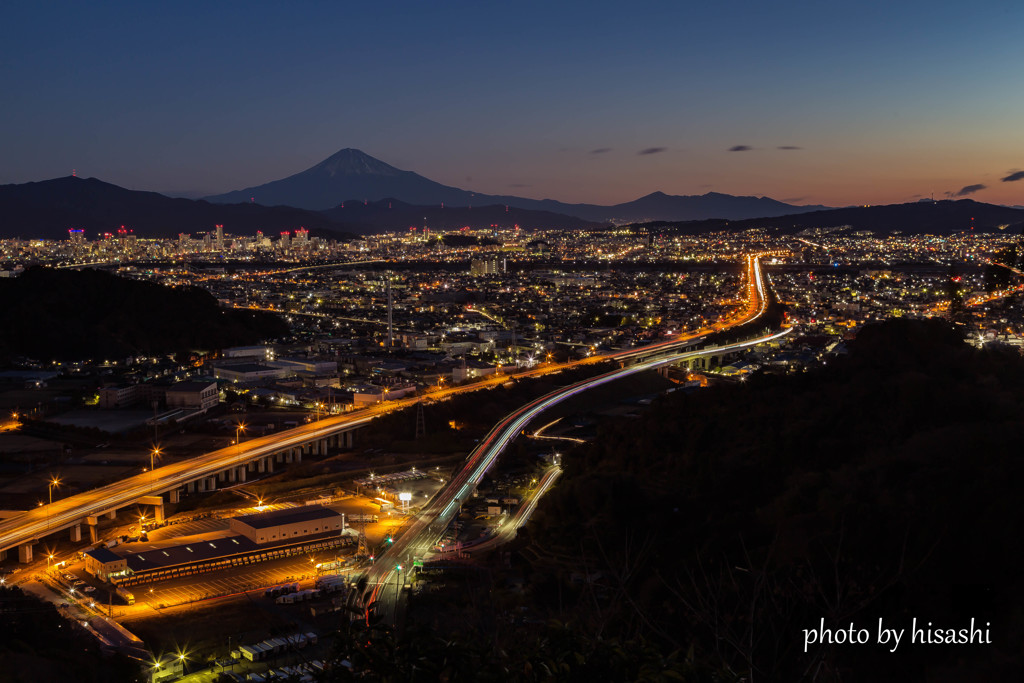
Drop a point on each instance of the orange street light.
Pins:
(239, 430)
(154, 453)
(54, 482)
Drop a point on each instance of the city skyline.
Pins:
(807, 104)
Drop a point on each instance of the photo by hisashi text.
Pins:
(920, 633)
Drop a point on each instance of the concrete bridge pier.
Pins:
(174, 496)
(76, 533)
(25, 553)
(240, 473)
(91, 522)
(158, 506)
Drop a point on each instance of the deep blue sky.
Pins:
(885, 100)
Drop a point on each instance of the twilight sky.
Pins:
(808, 102)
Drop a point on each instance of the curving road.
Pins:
(35, 524)
(507, 531)
(384, 576)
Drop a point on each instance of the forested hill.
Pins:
(884, 486)
(49, 314)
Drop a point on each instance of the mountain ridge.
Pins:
(351, 173)
(940, 217)
(47, 209)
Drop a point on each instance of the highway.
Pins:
(39, 522)
(507, 531)
(419, 537)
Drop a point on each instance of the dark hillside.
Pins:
(49, 314)
(731, 520)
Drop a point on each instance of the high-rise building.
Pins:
(220, 237)
(483, 267)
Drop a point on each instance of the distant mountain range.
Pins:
(351, 175)
(934, 218)
(47, 209)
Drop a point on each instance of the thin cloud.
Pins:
(652, 150)
(601, 150)
(788, 147)
(969, 190)
(1016, 175)
(740, 148)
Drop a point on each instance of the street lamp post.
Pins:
(50, 486)
(238, 436)
(155, 453)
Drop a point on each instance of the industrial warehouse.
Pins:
(260, 537)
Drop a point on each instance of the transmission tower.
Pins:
(361, 550)
(421, 423)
